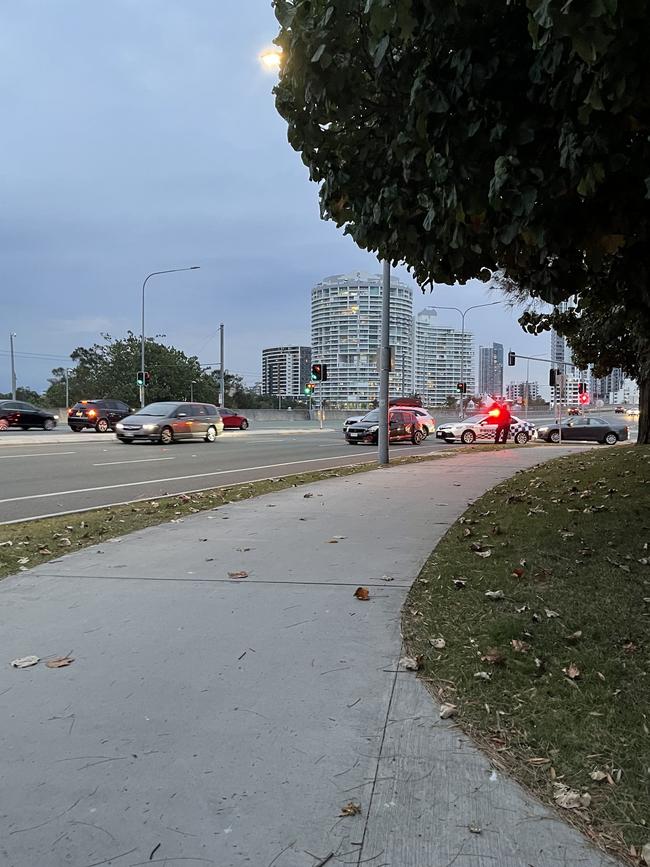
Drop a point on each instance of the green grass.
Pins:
(36, 542)
(578, 529)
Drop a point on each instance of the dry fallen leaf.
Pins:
(494, 656)
(572, 671)
(484, 554)
(24, 661)
(447, 711)
(519, 646)
(7, 544)
(550, 613)
(438, 643)
(44, 551)
(411, 663)
(59, 662)
(65, 542)
(645, 853)
(575, 636)
(494, 594)
(362, 593)
(598, 776)
(538, 760)
(482, 675)
(630, 647)
(518, 573)
(350, 809)
(569, 798)
(240, 574)
(459, 583)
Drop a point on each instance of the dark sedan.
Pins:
(19, 413)
(587, 429)
(403, 426)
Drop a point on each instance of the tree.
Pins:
(26, 394)
(110, 369)
(471, 138)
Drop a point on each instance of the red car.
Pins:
(232, 419)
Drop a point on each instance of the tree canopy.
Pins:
(467, 138)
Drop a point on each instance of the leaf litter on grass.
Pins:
(565, 602)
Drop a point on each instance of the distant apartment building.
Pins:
(345, 335)
(517, 391)
(604, 388)
(443, 357)
(490, 370)
(285, 370)
(560, 351)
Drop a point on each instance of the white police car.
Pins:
(483, 428)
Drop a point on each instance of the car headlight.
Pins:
(149, 427)
(119, 426)
(542, 429)
(56, 417)
(373, 428)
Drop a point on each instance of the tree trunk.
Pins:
(643, 437)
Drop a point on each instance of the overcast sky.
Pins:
(140, 135)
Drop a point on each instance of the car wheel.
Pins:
(521, 438)
(48, 424)
(417, 438)
(102, 425)
(425, 431)
(211, 434)
(611, 439)
(4, 424)
(554, 436)
(468, 437)
(166, 436)
(243, 425)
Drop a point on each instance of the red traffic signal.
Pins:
(583, 397)
(318, 372)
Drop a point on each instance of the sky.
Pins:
(141, 135)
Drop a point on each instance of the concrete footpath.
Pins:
(208, 719)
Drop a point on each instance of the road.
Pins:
(42, 479)
(60, 472)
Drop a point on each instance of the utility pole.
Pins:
(384, 365)
(12, 334)
(67, 389)
(222, 376)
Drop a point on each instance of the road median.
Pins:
(531, 620)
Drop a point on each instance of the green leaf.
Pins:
(380, 50)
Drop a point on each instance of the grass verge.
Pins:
(552, 676)
(30, 543)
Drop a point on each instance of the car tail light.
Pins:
(70, 411)
(92, 413)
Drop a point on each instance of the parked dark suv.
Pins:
(19, 413)
(103, 415)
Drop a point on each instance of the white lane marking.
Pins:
(137, 461)
(39, 455)
(176, 478)
(148, 499)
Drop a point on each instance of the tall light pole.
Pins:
(66, 371)
(12, 334)
(463, 314)
(384, 367)
(146, 279)
(222, 370)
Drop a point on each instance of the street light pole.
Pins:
(222, 372)
(384, 357)
(12, 334)
(146, 279)
(463, 314)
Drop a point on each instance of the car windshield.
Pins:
(475, 419)
(157, 409)
(373, 415)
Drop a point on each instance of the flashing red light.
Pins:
(584, 397)
(495, 412)
(92, 413)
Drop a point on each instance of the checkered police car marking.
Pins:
(485, 432)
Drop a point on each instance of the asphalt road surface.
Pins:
(42, 479)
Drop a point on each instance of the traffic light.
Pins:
(583, 397)
(147, 377)
(141, 377)
(511, 359)
(462, 387)
(309, 389)
(318, 372)
(552, 376)
(582, 388)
